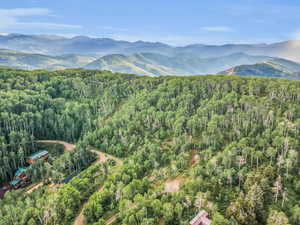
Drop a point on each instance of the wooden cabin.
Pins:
(38, 155)
(201, 219)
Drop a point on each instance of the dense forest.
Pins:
(231, 143)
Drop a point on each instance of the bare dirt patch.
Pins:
(80, 219)
(194, 157)
(173, 185)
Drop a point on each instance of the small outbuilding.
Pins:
(38, 155)
(201, 219)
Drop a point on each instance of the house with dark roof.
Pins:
(37, 155)
(201, 219)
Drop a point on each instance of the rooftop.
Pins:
(38, 154)
(20, 171)
(15, 182)
(200, 219)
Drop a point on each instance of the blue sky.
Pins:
(177, 22)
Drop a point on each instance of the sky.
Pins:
(175, 22)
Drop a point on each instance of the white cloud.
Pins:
(11, 19)
(217, 29)
(24, 12)
(47, 25)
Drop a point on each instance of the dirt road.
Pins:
(102, 157)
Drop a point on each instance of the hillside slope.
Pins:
(228, 145)
(156, 64)
(30, 61)
(270, 68)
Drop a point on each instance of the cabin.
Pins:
(38, 155)
(201, 219)
(20, 173)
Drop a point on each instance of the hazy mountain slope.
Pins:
(55, 45)
(286, 49)
(285, 65)
(130, 64)
(156, 64)
(271, 68)
(38, 61)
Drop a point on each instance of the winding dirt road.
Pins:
(102, 157)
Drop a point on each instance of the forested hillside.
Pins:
(225, 144)
(271, 68)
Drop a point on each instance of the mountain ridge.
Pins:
(153, 64)
(274, 67)
(57, 45)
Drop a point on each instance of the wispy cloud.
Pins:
(11, 19)
(47, 25)
(217, 29)
(24, 12)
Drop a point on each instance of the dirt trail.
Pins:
(102, 157)
(33, 187)
(80, 219)
(111, 220)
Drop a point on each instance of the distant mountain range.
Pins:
(57, 45)
(146, 58)
(273, 68)
(140, 63)
(82, 45)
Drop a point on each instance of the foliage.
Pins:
(244, 132)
